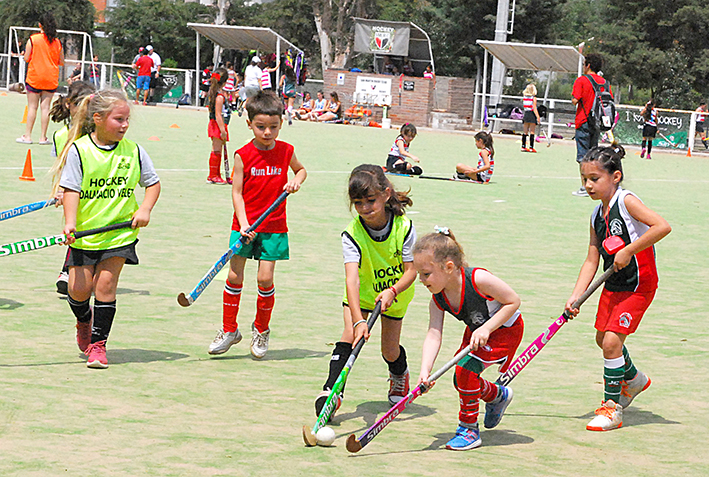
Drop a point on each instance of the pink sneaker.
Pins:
(97, 355)
(83, 335)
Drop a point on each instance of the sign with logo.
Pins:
(408, 85)
(373, 90)
(382, 39)
(340, 79)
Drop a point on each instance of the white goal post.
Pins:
(14, 47)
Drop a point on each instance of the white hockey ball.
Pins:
(325, 436)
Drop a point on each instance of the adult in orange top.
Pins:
(43, 55)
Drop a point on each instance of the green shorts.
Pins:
(265, 246)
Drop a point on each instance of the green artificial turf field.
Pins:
(166, 408)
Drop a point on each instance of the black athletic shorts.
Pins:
(700, 126)
(80, 258)
(649, 130)
(153, 80)
(529, 117)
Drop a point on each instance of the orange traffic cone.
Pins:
(174, 126)
(27, 171)
(24, 117)
(689, 152)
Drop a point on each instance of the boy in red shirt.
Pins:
(583, 96)
(143, 64)
(260, 176)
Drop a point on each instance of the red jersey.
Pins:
(583, 91)
(144, 64)
(265, 175)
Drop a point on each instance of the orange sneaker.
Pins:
(608, 417)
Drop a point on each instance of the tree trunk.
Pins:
(323, 24)
(220, 20)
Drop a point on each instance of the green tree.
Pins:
(77, 15)
(161, 23)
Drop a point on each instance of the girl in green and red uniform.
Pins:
(494, 327)
(98, 170)
(628, 293)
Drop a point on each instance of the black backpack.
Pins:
(601, 117)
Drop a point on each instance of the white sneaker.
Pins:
(259, 342)
(608, 417)
(630, 389)
(580, 193)
(63, 283)
(224, 341)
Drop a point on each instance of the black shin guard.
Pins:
(524, 141)
(104, 312)
(531, 141)
(339, 358)
(399, 365)
(649, 147)
(81, 309)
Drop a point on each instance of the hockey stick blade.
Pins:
(309, 437)
(187, 300)
(331, 403)
(356, 444)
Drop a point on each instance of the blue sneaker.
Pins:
(465, 438)
(496, 409)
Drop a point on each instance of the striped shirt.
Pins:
(528, 103)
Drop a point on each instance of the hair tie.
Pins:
(91, 96)
(217, 76)
(442, 230)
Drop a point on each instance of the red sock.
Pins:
(232, 297)
(264, 307)
(215, 161)
(488, 390)
(468, 386)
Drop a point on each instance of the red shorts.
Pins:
(501, 346)
(213, 129)
(621, 312)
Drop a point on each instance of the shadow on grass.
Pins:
(491, 438)
(278, 355)
(115, 356)
(137, 355)
(130, 291)
(7, 304)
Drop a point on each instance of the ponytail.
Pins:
(216, 82)
(443, 245)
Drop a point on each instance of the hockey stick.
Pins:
(355, 445)
(226, 164)
(612, 245)
(434, 178)
(44, 242)
(25, 209)
(187, 300)
(668, 140)
(331, 404)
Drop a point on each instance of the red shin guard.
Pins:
(264, 307)
(231, 299)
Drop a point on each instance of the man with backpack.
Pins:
(588, 124)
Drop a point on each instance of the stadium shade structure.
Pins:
(234, 37)
(15, 46)
(529, 56)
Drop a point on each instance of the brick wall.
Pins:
(415, 105)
